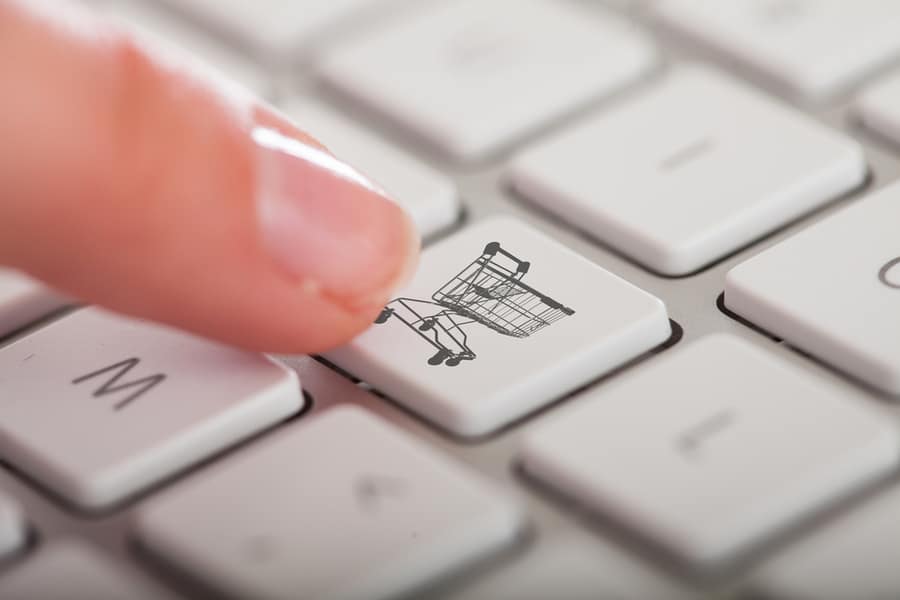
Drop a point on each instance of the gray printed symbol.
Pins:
(372, 490)
(889, 274)
(488, 292)
(113, 385)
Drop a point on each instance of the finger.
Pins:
(132, 182)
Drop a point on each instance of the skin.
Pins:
(132, 184)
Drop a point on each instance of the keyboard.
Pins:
(652, 350)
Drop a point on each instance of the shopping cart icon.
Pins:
(488, 292)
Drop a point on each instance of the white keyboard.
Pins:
(652, 350)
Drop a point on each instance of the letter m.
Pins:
(112, 385)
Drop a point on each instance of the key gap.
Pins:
(826, 366)
(29, 328)
(720, 304)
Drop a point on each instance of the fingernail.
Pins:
(328, 226)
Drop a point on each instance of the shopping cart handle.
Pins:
(493, 248)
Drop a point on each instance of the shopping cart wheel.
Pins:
(439, 357)
(452, 362)
(384, 315)
(427, 324)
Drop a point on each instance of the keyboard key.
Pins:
(13, 531)
(878, 106)
(162, 27)
(274, 29)
(98, 407)
(813, 48)
(693, 169)
(853, 557)
(23, 301)
(712, 449)
(430, 197)
(344, 506)
(471, 76)
(833, 290)
(75, 571)
(585, 569)
(499, 321)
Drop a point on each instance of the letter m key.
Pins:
(113, 385)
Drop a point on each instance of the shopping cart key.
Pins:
(97, 407)
(713, 449)
(499, 321)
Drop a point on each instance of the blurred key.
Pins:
(23, 301)
(814, 48)
(571, 568)
(429, 196)
(833, 290)
(159, 24)
(274, 29)
(343, 507)
(712, 449)
(72, 570)
(853, 557)
(499, 321)
(878, 106)
(98, 407)
(691, 170)
(471, 76)
(13, 531)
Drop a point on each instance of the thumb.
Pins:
(136, 183)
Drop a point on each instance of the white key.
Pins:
(833, 290)
(712, 448)
(344, 507)
(275, 28)
(75, 571)
(499, 321)
(23, 301)
(695, 168)
(429, 197)
(853, 557)
(160, 27)
(13, 531)
(878, 106)
(98, 407)
(813, 48)
(571, 569)
(471, 76)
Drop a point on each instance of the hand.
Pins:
(134, 183)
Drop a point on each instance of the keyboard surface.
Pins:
(652, 350)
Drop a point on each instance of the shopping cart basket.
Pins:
(489, 292)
